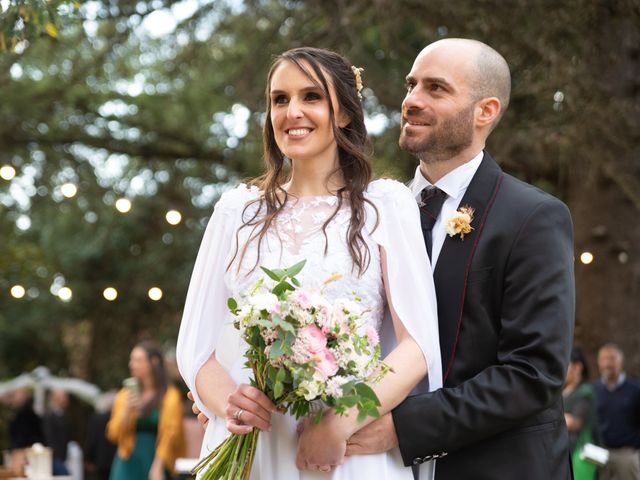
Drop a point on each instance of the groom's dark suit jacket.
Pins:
(506, 312)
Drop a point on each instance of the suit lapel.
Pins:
(454, 262)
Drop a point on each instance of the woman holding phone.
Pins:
(146, 420)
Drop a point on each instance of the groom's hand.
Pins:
(202, 418)
(377, 437)
(320, 446)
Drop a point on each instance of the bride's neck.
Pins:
(309, 181)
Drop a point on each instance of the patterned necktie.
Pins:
(431, 200)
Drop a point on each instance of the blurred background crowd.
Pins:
(137, 432)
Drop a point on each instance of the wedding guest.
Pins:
(579, 413)
(99, 451)
(25, 428)
(146, 421)
(618, 415)
(57, 429)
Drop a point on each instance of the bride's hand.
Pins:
(248, 407)
(320, 446)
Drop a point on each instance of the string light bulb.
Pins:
(173, 217)
(123, 205)
(155, 293)
(586, 257)
(17, 291)
(110, 294)
(69, 190)
(7, 172)
(65, 294)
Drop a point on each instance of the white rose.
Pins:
(265, 301)
(311, 389)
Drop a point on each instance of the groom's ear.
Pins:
(487, 111)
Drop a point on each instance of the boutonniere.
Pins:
(460, 222)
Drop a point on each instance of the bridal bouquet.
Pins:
(306, 353)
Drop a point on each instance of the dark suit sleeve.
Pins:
(536, 328)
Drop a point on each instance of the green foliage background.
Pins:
(120, 112)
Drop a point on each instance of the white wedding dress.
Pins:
(206, 325)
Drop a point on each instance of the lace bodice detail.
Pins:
(297, 234)
(302, 220)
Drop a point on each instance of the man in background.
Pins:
(57, 429)
(618, 416)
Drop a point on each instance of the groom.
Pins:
(505, 292)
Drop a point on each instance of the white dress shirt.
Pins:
(454, 184)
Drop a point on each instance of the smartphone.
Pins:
(132, 385)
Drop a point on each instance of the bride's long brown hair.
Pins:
(353, 154)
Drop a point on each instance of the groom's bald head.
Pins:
(486, 71)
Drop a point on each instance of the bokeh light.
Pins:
(65, 294)
(110, 293)
(17, 291)
(69, 190)
(155, 294)
(174, 217)
(123, 205)
(7, 172)
(586, 257)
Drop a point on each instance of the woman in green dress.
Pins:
(146, 420)
(579, 414)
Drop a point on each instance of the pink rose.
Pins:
(372, 335)
(313, 338)
(326, 364)
(301, 298)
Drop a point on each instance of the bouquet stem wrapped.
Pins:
(301, 349)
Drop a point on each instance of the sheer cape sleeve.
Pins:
(409, 274)
(206, 312)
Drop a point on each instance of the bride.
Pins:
(324, 209)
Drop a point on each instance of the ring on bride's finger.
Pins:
(325, 469)
(237, 415)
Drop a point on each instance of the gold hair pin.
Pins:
(357, 73)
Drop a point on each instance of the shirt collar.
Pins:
(453, 183)
(621, 380)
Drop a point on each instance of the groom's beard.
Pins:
(445, 139)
